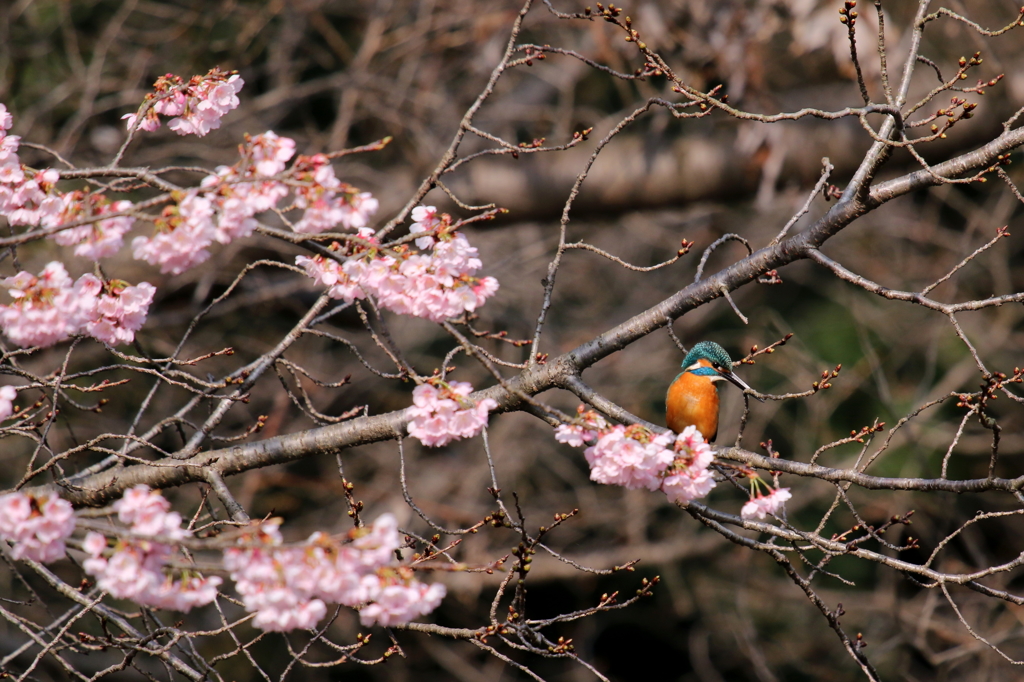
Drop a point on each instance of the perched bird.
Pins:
(693, 396)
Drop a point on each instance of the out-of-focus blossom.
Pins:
(271, 152)
(760, 505)
(112, 311)
(633, 457)
(49, 308)
(443, 414)
(44, 307)
(398, 601)
(96, 240)
(183, 234)
(8, 394)
(148, 513)
(135, 568)
(37, 526)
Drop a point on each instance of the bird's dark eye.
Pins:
(716, 365)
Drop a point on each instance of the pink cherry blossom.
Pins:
(398, 603)
(577, 435)
(135, 569)
(182, 237)
(330, 204)
(150, 121)
(631, 457)
(147, 511)
(97, 240)
(197, 105)
(6, 120)
(761, 505)
(443, 414)
(37, 526)
(8, 394)
(270, 152)
(112, 311)
(287, 587)
(44, 308)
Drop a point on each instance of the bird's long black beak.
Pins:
(739, 383)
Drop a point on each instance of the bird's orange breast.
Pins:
(692, 400)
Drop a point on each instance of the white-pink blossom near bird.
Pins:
(632, 457)
(689, 477)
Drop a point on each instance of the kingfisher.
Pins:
(693, 396)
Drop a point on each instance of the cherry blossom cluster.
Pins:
(634, 457)
(135, 568)
(435, 286)
(98, 239)
(760, 505)
(26, 198)
(37, 526)
(50, 307)
(328, 201)
(287, 587)
(444, 412)
(197, 105)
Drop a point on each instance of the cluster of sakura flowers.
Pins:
(197, 105)
(135, 568)
(285, 586)
(634, 457)
(38, 526)
(50, 307)
(434, 285)
(437, 282)
(442, 413)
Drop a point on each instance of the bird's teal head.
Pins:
(714, 356)
(708, 359)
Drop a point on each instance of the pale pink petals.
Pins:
(49, 308)
(8, 394)
(37, 526)
(148, 513)
(135, 568)
(181, 241)
(44, 309)
(761, 505)
(443, 414)
(112, 311)
(631, 457)
(634, 457)
(330, 204)
(397, 604)
(577, 435)
(270, 152)
(435, 286)
(287, 587)
(97, 240)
